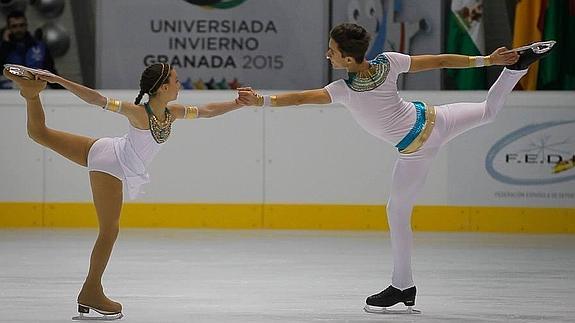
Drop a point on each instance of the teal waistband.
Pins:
(417, 127)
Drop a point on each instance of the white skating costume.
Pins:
(417, 130)
(127, 158)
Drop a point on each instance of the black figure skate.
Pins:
(380, 303)
(530, 53)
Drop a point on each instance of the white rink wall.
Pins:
(304, 155)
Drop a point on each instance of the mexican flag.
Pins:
(557, 71)
(465, 36)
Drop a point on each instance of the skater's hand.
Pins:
(29, 89)
(243, 92)
(247, 96)
(497, 58)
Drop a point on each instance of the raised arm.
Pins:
(87, 94)
(421, 63)
(318, 96)
(92, 96)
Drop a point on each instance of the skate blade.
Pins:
(384, 310)
(103, 315)
(109, 317)
(538, 47)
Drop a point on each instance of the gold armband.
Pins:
(274, 100)
(487, 60)
(259, 100)
(113, 105)
(191, 112)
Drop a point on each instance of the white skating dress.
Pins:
(127, 158)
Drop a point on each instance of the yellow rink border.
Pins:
(289, 216)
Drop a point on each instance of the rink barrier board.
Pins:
(292, 216)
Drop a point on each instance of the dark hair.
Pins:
(15, 14)
(152, 78)
(353, 40)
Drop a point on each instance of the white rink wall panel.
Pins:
(320, 154)
(21, 161)
(304, 155)
(216, 160)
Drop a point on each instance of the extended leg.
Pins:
(461, 117)
(73, 147)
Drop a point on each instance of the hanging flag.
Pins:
(557, 70)
(465, 36)
(527, 30)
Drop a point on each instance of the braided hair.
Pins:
(152, 78)
(353, 40)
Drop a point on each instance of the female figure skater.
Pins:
(113, 162)
(417, 129)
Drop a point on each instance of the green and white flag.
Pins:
(465, 36)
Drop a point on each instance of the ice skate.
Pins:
(530, 53)
(24, 72)
(381, 303)
(95, 300)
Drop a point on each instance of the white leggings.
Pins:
(410, 170)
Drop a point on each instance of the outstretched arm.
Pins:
(211, 110)
(87, 94)
(318, 96)
(91, 96)
(205, 111)
(429, 62)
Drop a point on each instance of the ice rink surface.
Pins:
(164, 275)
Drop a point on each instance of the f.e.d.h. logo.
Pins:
(536, 154)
